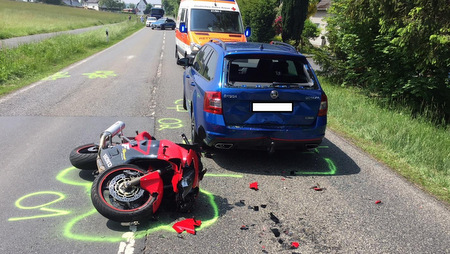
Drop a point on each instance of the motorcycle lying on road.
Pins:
(135, 173)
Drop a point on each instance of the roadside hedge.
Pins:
(396, 50)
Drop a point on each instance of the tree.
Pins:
(310, 30)
(259, 15)
(111, 4)
(171, 7)
(399, 50)
(294, 14)
(148, 8)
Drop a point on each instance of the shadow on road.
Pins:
(327, 159)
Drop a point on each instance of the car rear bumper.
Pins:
(287, 137)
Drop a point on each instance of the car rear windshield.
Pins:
(215, 21)
(269, 71)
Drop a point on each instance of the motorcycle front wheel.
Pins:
(84, 157)
(115, 201)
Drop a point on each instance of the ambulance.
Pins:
(199, 21)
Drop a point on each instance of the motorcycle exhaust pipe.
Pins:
(114, 129)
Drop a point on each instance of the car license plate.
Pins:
(272, 106)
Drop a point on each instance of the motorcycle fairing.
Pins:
(153, 183)
(144, 147)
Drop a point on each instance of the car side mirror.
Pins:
(183, 28)
(184, 62)
(248, 32)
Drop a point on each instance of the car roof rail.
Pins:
(220, 42)
(284, 44)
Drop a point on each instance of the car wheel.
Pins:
(163, 27)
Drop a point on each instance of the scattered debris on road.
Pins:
(188, 225)
(254, 186)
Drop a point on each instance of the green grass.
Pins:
(31, 62)
(22, 18)
(414, 147)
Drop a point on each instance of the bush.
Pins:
(259, 15)
(397, 50)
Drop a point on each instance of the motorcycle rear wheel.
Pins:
(84, 157)
(117, 203)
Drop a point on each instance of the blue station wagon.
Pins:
(248, 95)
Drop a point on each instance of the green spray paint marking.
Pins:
(49, 211)
(332, 169)
(62, 178)
(58, 75)
(224, 175)
(170, 123)
(100, 74)
(70, 226)
(178, 106)
(205, 223)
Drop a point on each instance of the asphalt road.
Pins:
(46, 206)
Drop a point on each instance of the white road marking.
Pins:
(128, 246)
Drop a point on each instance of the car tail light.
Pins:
(213, 103)
(323, 105)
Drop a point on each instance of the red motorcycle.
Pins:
(135, 173)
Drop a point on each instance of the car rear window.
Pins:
(273, 70)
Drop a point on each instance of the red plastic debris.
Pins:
(318, 189)
(244, 227)
(188, 225)
(254, 186)
(378, 202)
(295, 245)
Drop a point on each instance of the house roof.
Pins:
(145, 2)
(75, 3)
(323, 5)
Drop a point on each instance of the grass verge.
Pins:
(23, 18)
(414, 147)
(29, 63)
